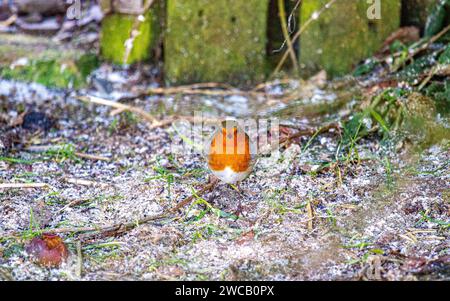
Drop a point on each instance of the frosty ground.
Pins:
(384, 217)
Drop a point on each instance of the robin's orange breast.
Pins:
(230, 149)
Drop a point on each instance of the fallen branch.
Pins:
(412, 53)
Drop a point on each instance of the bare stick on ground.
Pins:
(117, 105)
(23, 185)
(80, 260)
(83, 182)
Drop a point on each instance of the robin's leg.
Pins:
(243, 191)
(212, 178)
(240, 208)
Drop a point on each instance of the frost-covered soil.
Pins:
(386, 217)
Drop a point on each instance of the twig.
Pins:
(11, 20)
(5, 275)
(189, 199)
(310, 132)
(73, 204)
(80, 260)
(314, 17)
(153, 123)
(192, 119)
(431, 74)
(121, 228)
(92, 157)
(430, 41)
(310, 215)
(85, 182)
(298, 134)
(417, 50)
(287, 38)
(117, 105)
(71, 230)
(199, 90)
(23, 185)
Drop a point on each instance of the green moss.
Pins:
(116, 29)
(87, 63)
(46, 62)
(343, 35)
(440, 92)
(420, 123)
(211, 40)
(53, 72)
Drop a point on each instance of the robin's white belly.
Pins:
(229, 176)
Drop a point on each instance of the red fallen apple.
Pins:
(48, 250)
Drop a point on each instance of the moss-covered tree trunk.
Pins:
(345, 33)
(215, 40)
(129, 38)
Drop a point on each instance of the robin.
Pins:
(229, 153)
